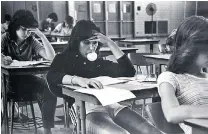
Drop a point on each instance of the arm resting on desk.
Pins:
(176, 113)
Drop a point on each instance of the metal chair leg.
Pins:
(12, 117)
(143, 107)
(33, 114)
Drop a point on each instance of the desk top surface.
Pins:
(121, 48)
(131, 87)
(59, 43)
(140, 40)
(197, 122)
(25, 67)
(159, 56)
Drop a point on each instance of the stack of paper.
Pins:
(106, 80)
(16, 63)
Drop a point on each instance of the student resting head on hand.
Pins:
(79, 63)
(184, 87)
(20, 44)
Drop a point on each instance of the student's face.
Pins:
(50, 20)
(87, 46)
(22, 32)
(66, 24)
(202, 60)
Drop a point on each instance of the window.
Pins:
(162, 27)
(148, 27)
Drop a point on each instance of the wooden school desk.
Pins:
(199, 126)
(141, 42)
(158, 60)
(80, 98)
(104, 51)
(8, 71)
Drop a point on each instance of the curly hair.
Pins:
(21, 18)
(191, 39)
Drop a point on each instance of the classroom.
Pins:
(104, 67)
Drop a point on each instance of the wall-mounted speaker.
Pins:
(138, 8)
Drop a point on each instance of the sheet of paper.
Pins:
(145, 78)
(106, 80)
(108, 95)
(16, 63)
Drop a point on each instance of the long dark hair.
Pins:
(190, 40)
(21, 18)
(81, 31)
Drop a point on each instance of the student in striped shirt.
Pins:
(184, 87)
(20, 44)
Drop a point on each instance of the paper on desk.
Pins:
(142, 85)
(145, 78)
(108, 95)
(106, 80)
(16, 63)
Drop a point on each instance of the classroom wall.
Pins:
(40, 9)
(10, 7)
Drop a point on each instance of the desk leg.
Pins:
(151, 48)
(151, 51)
(157, 69)
(66, 114)
(5, 112)
(83, 117)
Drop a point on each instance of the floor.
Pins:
(24, 127)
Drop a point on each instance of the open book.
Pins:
(16, 63)
(108, 95)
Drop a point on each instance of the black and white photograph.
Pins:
(104, 67)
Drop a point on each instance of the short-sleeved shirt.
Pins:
(22, 52)
(45, 25)
(189, 90)
(63, 30)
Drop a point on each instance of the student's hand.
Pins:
(37, 32)
(102, 38)
(7, 60)
(87, 83)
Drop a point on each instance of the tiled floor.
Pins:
(22, 128)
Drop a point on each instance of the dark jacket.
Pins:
(72, 63)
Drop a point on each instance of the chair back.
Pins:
(138, 59)
(155, 113)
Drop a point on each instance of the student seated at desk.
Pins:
(65, 27)
(47, 25)
(78, 64)
(184, 87)
(4, 26)
(19, 44)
